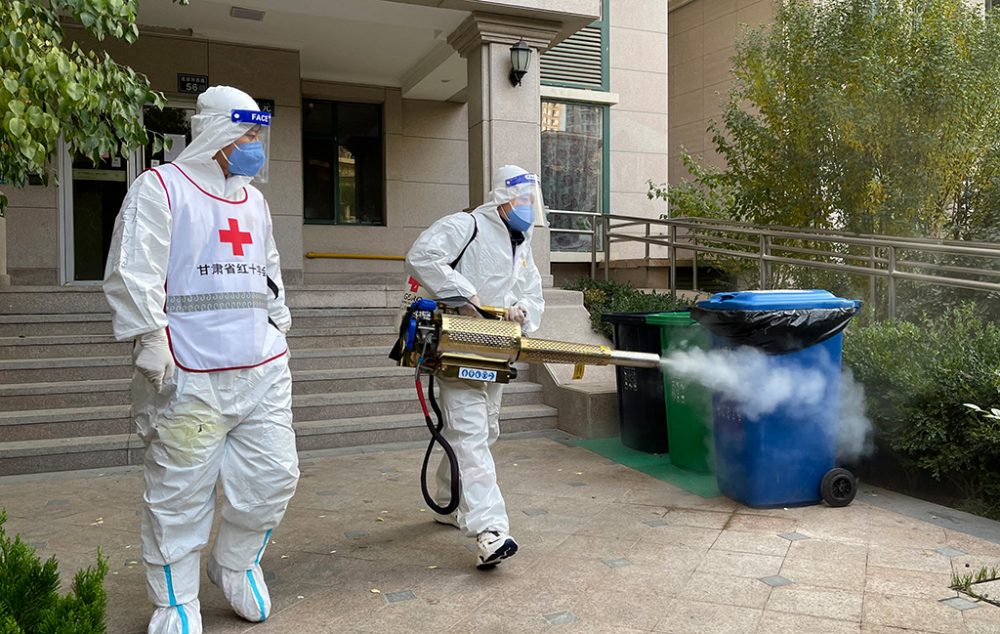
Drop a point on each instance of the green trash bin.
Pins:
(688, 404)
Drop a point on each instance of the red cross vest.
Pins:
(217, 285)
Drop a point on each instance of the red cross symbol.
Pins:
(414, 285)
(235, 237)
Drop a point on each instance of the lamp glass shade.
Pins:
(520, 56)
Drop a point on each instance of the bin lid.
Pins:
(672, 318)
(776, 300)
(625, 318)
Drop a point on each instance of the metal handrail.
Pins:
(883, 260)
(837, 232)
(595, 222)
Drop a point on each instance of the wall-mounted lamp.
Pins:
(520, 57)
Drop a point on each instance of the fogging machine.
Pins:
(436, 340)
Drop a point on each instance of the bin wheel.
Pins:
(838, 487)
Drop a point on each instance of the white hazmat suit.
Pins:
(498, 268)
(194, 276)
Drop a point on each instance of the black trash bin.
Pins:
(641, 407)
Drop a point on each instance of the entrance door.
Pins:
(95, 193)
(94, 198)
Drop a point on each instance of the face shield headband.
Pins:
(251, 151)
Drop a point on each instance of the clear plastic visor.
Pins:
(257, 128)
(526, 191)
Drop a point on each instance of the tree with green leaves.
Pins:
(48, 90)
(875, 116)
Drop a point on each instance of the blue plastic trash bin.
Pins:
(785, 457)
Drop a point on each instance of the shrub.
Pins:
(919, 376)
(29, 593)
(614, 297)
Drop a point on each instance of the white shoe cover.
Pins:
(244, 589)
(178, 619)
(493, 547)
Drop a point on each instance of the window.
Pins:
(342, 163)
(575, 175)
(573, 167)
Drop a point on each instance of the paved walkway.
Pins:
(604, 549)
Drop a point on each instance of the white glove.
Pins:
(281, 318)
(518, 314)
(153, 359)
(468, 310)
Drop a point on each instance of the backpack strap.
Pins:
(475, 232)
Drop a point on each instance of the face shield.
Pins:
(250, 153)
(524, 193)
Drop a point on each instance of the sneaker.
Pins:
(448, 520)
(494, 547)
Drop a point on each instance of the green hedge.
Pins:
(613, 297)
(30, 602)
(918, 377)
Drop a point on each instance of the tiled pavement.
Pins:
(604, 549)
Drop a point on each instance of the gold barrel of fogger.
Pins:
(502, 340)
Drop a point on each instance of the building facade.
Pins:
(387, 114)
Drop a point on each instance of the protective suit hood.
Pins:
(522, 189)
(211, 130)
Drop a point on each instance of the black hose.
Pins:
(438, 437)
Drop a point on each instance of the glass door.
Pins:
(97, 194)
(94, 192)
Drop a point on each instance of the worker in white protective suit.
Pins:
(193, 277)
(484, 256)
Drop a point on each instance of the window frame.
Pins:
(335, 162)
(604, 201)
(604, 23)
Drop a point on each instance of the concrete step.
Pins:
(100, 323)
(64, 369)
(55, 324)
(66, 394)
(118, 367)
(48, 346)
(69, 422)
(63, 394)
(351, 432)
(27, 300)
(63, 454)
(309, 407)
(341, 317)
(38, 424)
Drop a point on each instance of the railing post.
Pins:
(892, 282)
(694, 264)
(593, 248)
(764, 251)
(607, 247)
(673, 261)
(873, 291)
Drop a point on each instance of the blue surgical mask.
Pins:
(247, 159)
(521, 217)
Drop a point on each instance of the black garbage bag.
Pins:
(775, 331)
